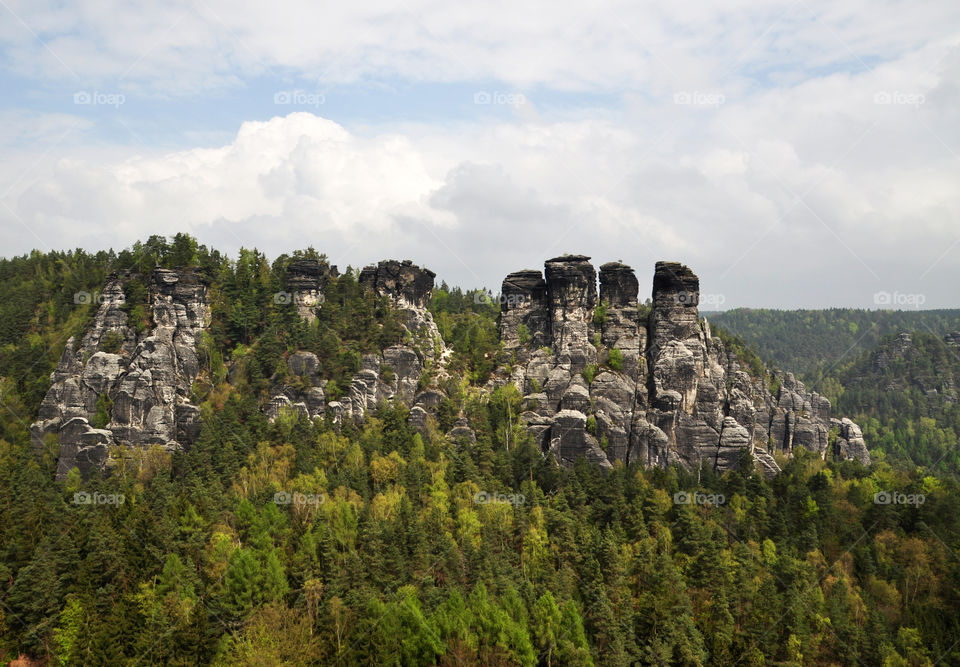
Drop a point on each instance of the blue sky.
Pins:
(795, 154)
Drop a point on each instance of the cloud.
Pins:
(795, 154)
(183, 48)
(766, 217)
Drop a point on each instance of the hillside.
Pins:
(208, 460)
(904, 394)
(809, 342)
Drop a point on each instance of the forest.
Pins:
(811, 343)
(303, 542)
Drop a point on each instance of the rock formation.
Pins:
(392, 375)
(659, 388)
(140, 383)
(306, 280)
(602, 376)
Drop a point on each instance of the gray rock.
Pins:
(461, 432)
(524, 313)
(306, 281)
(618, 285)
(305, 365)
(575, 397)
(148, 383)
(569, 440)
(679, 396)
(406, 367)
(850, 444)
(417, 418)
(571, 297)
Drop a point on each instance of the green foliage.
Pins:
(615, 360)
(468, 324)
(135, 304)
(104, 406)
(600, 313)
(810, 342)
(523, 334)
(743, 352)
(387, 551)
(111, 342)
(904, 398)
(589, 372)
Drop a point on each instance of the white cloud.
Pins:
(185, 47)
(480, 200)
(799, 173)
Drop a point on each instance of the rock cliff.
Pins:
(118, 387)
(391, 375)
(621, 384)
(602, 376)
(306, 280)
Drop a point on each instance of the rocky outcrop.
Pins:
(409, 289)
(138, 386)
(393, 375)
(306, 281)
(850, 443)
(602, 377)
(658, 389)
(405, 282)
(571, 298)
(524, 313)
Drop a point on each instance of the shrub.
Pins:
(600, 314)
(523, 334)
(592, 425)
(615, 360)
(589, 372)
(104, 406)
(112, 342)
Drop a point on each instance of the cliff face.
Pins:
(140, 383)
(306, 280)
(602, 377)
(391, 375)
(659, 389)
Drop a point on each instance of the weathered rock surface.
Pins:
(602, 377)
(391, 375)
(662, 389)
(524, 314)
(143, 388)
(571, 298)
(850, 443)
(306, 280)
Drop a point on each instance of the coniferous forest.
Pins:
(309, 542)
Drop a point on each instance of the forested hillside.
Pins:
(316, 542)
(810, 342)
(904, 395)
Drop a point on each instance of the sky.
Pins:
(795, 154)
